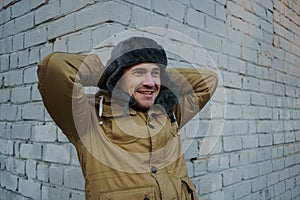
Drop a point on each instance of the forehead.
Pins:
(144, 66)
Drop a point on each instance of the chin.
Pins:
(144, 106)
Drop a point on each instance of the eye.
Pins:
(156, 73)
(138, 72)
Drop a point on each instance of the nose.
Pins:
(149, 81)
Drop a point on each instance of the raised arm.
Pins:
(196, 88)
(62, 77)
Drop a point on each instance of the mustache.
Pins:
(143, 87)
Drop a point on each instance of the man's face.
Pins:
(142, 82)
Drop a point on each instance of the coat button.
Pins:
(153, 170)
(151, 126)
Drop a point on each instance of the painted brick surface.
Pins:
(244, 145)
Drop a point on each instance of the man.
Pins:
(126, 136)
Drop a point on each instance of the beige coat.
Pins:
(124, 153)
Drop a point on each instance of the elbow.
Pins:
(211, 82)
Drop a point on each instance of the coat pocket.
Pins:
(137, 193)
(188, 190)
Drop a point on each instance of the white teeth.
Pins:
(146, 92)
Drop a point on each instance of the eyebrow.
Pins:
(144, 69)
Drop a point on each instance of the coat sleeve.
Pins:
(196, 87)
(61, 78)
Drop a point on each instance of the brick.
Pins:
(79, 42)
(35, 94)
(93, 15)
(9, 181)
(23, 57)
(232, 143)
(232, 80)
(215, 26)
(265, 168)
(195, 19)
(77, 195)
(233, 49)
(6, 45)
(120, 13)
(68, 6)
(13, 78)
(56, 174)
(234, 112)
(236, 127)
(36, 3)
(3, 130)
(21, 131)
(207, 7)
(31, 168)
(231, 176)
(56, 153)
(249, 54)
(49, 192)
(4, 60)
(258, 99)
(60, 44)
(190, 148)
(34, 55)
(250, 141)
(250, 112)
(10, 112)
(24, 22)
(210, 146)
(74, 156)
(265, 126)
(213, 164)
(263, 154)
(61, 26)
(31, 151)
(242, 189)
(108, 11)
(43, 172)
(20, 8)
(4, 95)
(73, 178)
(238, 97)
(265, 113)
(176, 11)
(210, 183)
(149, 19)
(36, 36)
(30, 188)
(101, 34)
(33, 111)
(8, 29)
(200, 167)
(45, 50)
(4, 15)
(161, 6)
(18, 41)
(210, 42)
(15, 166)
(44, 133)
(20, 94)
(47, 12)
(30, 75)
(14, 62)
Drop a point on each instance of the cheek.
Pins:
(158, 82)
(129, 86)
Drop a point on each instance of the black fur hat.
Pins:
(137, 50)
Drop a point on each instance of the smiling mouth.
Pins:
(147, 92)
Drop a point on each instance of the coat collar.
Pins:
(115, 109)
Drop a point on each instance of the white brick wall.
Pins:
(255, 45)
